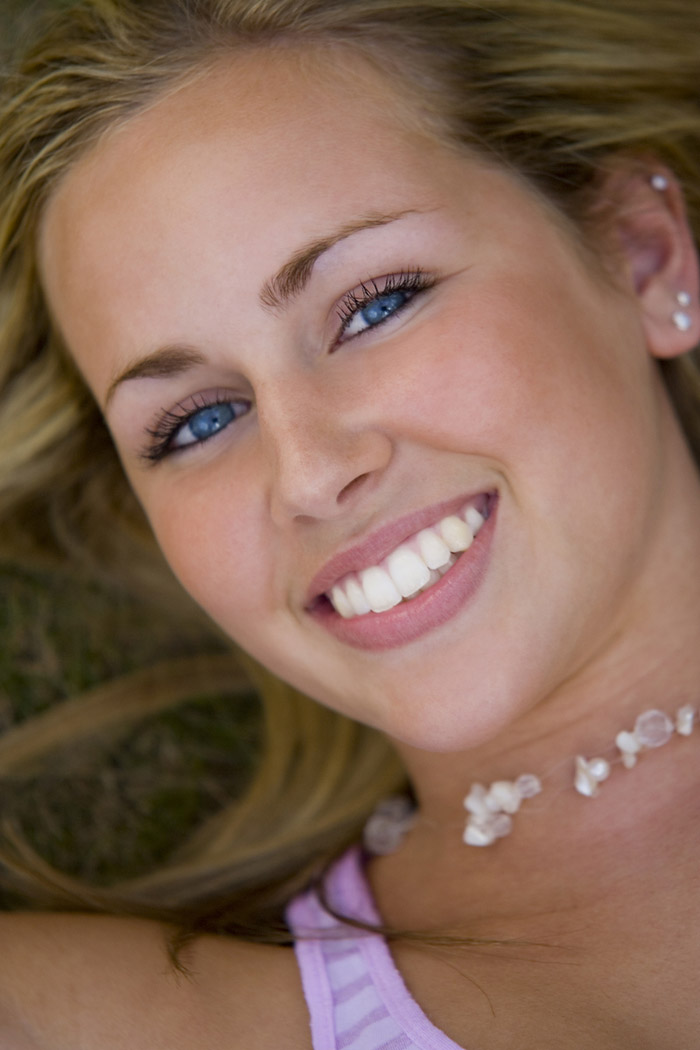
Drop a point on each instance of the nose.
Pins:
(322, 453)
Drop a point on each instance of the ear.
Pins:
(647, 218)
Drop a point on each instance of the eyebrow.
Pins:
(288, 282)
(161, 364)
(291, 279)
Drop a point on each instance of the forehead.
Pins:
(267, 124)
(251, 158)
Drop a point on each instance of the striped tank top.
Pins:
(356, 997)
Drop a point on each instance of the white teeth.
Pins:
(356, 597)
(435, 575)
(379, 589)
(456, 533)
(341, 603)
(474, 519)
(421, 561)
(446, 568)
(408, 571)
(433, 550)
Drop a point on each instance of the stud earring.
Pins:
(681, 318)
(659, 182)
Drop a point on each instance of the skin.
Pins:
(526, 370)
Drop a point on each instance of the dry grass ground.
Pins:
(116, 803)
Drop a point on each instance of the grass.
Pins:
(118, 805)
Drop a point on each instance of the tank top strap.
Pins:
(357, 999)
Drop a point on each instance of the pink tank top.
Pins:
(356, 997)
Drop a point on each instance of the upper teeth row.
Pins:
(414, 566)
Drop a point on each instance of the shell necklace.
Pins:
(491, 809)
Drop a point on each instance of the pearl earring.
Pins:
(659, 182)
(681, 318)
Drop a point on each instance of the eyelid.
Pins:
(354, 301)
(165, 425)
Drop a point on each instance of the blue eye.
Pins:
(204, 424)
(375, 312)
(377, 302)
(182, 428)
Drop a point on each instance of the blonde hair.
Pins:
(551, 88)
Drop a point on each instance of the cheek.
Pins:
(208, 534)
(478, 377)
(543, 381)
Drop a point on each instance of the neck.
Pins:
(583, 717)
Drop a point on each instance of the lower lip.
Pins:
(412, 619)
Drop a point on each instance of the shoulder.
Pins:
(69, 982)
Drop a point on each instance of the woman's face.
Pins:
(317, 334)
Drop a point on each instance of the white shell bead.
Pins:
(653, 729)
(599, 769)
(685, 719)
(590, 774)
(382, 835)
(504, 796)
(501, 825)
(528, 785)
(475, 802)
(476, 835)
(584, 781)
(628, 742)
(490, 808)
(386, 827)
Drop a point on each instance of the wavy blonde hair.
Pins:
(552, 88)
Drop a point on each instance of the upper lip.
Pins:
(373, 549)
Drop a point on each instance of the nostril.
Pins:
(350, 487)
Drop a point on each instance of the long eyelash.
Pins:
(169, 422)
(413, 281)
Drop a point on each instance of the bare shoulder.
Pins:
(76, 982)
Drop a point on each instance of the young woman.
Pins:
(389, 310)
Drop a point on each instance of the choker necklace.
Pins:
(491, 809)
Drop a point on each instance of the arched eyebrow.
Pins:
(161, 364)
(275, 294)
(291, 278)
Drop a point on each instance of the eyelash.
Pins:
(353, 303)
(170, 422)
(166, 427)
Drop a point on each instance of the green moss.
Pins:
(115, 807)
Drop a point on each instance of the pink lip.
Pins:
(409, 620)
(381, 543)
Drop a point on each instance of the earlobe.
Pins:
(653, 234)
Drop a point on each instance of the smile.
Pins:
(409, 577)
(411, 569)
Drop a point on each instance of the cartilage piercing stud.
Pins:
(659, 182)
(681, 318)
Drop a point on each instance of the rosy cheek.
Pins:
(211, 542)
(457, 383)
